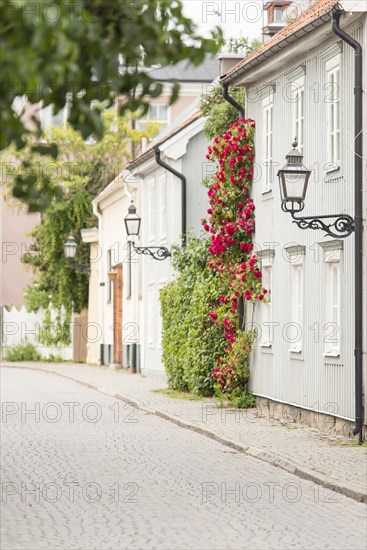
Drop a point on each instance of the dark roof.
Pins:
(185, 71)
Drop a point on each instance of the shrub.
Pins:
(23, 352)
(191, 343)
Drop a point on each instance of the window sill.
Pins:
(333, 169)
(266, 345)
(331, 354)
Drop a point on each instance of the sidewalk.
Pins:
(303, 451)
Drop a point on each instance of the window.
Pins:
(161, 285)
(162, 181)
(156, 113)
(49, 118)
(150, 317)
(296, 255)
(295, 332)
(298, 112)
(268, 147)
(129, 270)
(278, 15)
(332, 291)
(332, 102)
(151, 210)
(266, 340)
(109, 267)
(332, 325)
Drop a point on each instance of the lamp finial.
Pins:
(295, 143)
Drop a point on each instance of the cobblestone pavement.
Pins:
(87, 471)
(315, 454)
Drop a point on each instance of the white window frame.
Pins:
(47, 116)
(268, 126)
(333, 265)
(298, 108)
(151, 209)
(163, 220)
(278, 10)
(333, 111)
(161, 285)
(109, 269)
(141, 122)
(266, 315)
(296, 255)
(151, 300)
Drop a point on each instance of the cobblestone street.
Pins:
(84, 470)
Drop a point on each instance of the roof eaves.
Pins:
(236, 74)
(151, 151)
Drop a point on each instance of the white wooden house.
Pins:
(301, 83)
(161, 196)
(119, 283)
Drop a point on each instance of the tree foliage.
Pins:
(81, 170)
(86, 55)
(218, 112)
(87, 51)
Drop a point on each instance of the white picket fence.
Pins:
(20, 326)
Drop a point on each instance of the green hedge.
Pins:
(191, 342)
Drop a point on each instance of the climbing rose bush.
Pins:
(231, 225)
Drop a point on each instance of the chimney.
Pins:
(228, 60)
(276, 17)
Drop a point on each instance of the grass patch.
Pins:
(175, 394)
(349, 443)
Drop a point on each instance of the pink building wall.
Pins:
(16, 223)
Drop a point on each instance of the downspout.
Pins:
(232, 101)
(97, 212)
(183, 191)
(358, 220)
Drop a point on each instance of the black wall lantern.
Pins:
(70, 247)
(132, 224)
(293, 182)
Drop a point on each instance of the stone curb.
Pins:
(260, 454)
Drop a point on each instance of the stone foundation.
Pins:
(288, 413)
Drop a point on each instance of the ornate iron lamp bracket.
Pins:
(342, 226)
(156, 252)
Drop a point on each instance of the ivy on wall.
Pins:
(81, 171)
(191, 343)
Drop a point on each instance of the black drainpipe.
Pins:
(358, 221)
(183, 191)
(232, 101)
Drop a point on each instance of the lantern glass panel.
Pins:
(132, 226)
(294, 185)
(70, 248)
